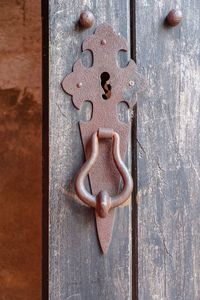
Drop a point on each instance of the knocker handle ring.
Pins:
(103, 202)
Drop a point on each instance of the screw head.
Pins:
(79, 85)
(174, 17)
(103, 42)
(87, 19)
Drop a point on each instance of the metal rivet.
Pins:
(87, 19)
(79, 85)
(174, 17)
(103, 42)
(131, 83)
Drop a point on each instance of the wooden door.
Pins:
(154, 253)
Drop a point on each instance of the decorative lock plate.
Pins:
(104, 137)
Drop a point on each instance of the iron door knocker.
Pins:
(104, 138)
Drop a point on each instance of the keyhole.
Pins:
(105, 83)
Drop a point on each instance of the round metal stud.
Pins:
(103, 42)
(79, 85)
(131, 83)
(174, 17)
(87, 19)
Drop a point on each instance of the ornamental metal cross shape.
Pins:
(104, 84)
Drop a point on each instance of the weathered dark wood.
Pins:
(77, 268)
(169, 152)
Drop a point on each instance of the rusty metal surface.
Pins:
(86, 19)
(174, 17)
(103, 202)
(105, 85)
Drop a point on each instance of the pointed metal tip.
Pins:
(104, 230)
(104, 248)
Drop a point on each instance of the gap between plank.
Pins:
(134, 165)
(45, 148)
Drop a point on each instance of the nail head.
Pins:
(174, 17)
(79, 85)
(103, 42)
(87, 19)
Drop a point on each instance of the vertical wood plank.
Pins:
(77, 268)
(168, 152)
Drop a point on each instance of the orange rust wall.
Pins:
(20, 150)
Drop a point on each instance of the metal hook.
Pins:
(102, 202)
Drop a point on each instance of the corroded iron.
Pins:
(174, 17)
(86, 19)
(103, 202)
(105, 85)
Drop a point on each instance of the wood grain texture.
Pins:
(168, 152)
(77, 268)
